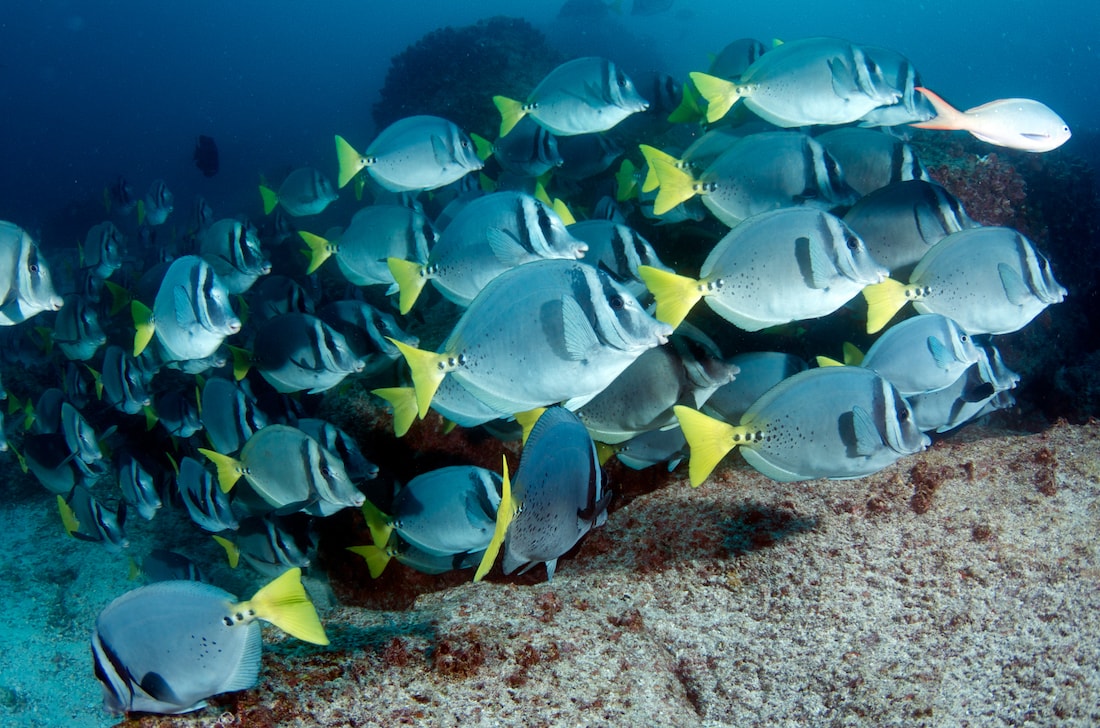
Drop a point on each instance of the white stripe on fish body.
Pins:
(546, 332)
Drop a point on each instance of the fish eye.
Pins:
(33, 267)
(617, 303)
(853, 243)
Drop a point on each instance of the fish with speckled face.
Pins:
(858, 424)
(168, 646)
(558, 496)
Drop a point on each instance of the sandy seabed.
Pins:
(959, 587)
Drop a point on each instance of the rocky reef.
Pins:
(455, 72)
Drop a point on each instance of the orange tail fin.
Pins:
(947, 116)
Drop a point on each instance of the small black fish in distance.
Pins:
(206, 155)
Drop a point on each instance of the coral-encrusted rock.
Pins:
(455, 72)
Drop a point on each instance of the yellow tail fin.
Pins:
(410, 277)
(428, 370)
(626, 185)
(505, 512)
(242, 361)
(232, 553)
(319, 250)
(710, 441)
(676, 295)
(270, 198)
(527, 421)
(143, 322)
(719, 93)
(285, 604)
(511, 111)
(229, 469)
(483, 146)
(377, 558)
(350, 161)
(884, 300)
(68, 517)
(380, 525)
(403, 401)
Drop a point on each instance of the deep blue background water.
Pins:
(94, 88)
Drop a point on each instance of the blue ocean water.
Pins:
(96, 89)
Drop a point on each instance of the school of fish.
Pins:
(184, 367)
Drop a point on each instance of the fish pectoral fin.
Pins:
(940, 353)
(507, 247)
(844, 84)
(580, 338)
(868, 440)
(1016, 289)
(442, 154)
(822, 271)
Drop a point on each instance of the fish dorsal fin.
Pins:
(1016, 289)
(285, 604)
(507, 248)
(580, 337)
(506, 511)
(868, 440)
(377, 558)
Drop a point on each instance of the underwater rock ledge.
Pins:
(952, 588)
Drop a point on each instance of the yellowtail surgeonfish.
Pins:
(580, 96)
(558, 496)
(26, 286)
(759, 172)
(858, 424)
(168, 646)
(991, 280)
(774, 268)
(412, 154)
(541, 333)
(802, 83)
(305, 191)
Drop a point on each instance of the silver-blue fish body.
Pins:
(77, 331)
(559, 492)
(159, 203)
(167, 646)
(786, 265)
(448, 511)
(492, 234)
(619, 250)
(901, 222)
(26, 285)
(192, 315)
(547, 332)
(872, 159)
(207, 505)
(991, 280)
(758, 371)
(858, 424)
(306, 191)
(420, 153)
(379, 232)
(584, 95)
(922, 354)
(232, 248)
(296, 351)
